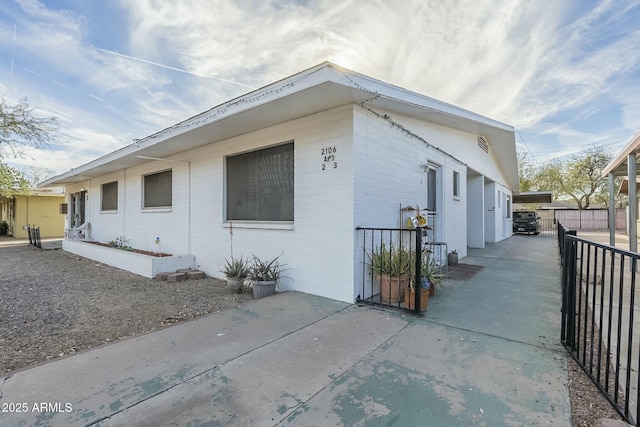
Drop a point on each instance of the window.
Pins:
(156, 190)
(260, 185)
(456, 184)
(109, 196)
(432, 175)
(508, 205)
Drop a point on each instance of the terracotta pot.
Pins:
(391, 288)
(410, 299)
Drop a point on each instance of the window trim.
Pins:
(165, 208)
(110, 210)
(284, 224)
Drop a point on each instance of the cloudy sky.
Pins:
(565, 73)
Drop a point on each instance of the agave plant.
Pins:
(393, 260)
(268, 270)
(430, 272)
(236, 267)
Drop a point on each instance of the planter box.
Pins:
(144, 265)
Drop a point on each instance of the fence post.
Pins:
(418, 274)
(38, 241)
(569, 291)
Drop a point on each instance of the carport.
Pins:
(533, 197)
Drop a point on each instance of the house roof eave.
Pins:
(316, 89)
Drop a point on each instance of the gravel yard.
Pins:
(54, 304)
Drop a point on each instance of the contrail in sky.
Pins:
(174, 68)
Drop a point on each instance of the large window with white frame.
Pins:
(109, 196)
(157, 189)
(260, 184)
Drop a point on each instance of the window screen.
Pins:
(260, 185)
(109, 196)
(157, 190)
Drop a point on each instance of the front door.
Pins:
(77, 209)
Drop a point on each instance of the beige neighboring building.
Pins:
(41, 208)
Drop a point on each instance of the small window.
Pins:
(499, 199)
(157, 190)
(456, 184)
(508, 205)
(260, 185)
(109, 196)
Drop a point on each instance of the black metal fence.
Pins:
(599, 317)
(398, 250)
(34, 236)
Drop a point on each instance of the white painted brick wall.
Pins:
(378, 169)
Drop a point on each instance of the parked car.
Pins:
(526, 222)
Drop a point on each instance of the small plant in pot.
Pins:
(264, 275)
(432, 273)
(431, 279)
(392, 265)
(237, 271)
(452, 257)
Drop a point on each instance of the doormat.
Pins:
(463, 271)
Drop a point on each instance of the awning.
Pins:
(533, 197)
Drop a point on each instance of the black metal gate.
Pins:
(396, 249)
(599, 316)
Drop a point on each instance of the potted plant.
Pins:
(432, 273)
(452, 257)
(264, 275)
(236, 270)
(410, 295)
(431, 278)
(392, 265)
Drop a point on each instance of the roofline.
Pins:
(621, 158)
(281, 88)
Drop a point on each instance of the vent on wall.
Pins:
(482, 143)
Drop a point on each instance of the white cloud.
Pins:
(521, 61)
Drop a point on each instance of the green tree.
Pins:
(12, 182)
(579, 177)
(526, 171)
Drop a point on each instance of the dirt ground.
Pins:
(54, 304)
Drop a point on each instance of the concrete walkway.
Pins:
(487, 353)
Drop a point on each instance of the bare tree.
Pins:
(19, 127)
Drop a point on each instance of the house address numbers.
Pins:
(329, 158)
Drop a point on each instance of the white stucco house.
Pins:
(294, 168)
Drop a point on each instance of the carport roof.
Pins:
(619, 165)
(533, 197)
